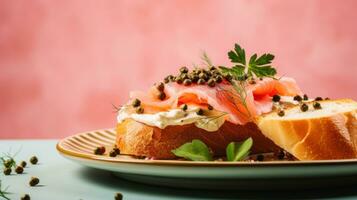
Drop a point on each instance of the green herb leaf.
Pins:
(237, 151)
(236, 71)
(238, 55)
(258, 66)
(195, 150)
(3, 192)
(263, 71)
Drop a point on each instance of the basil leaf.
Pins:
(195, 150)
(237, 151)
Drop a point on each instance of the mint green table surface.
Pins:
(61, 179)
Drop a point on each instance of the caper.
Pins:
(210, 107)
(139, 110)
(202, 76)
(201, 81)
(23, 164)
(194, 78)
(276, 98)
(184, 107)
(178, 80)
(136, 103)
(228, 77)
(219, 79)
(162, 96)
(305, 97)
(260, 157)
(327, 98)
(33, 160)
(297, 98)
(281, 113)
(212, 68)
(25, 197)
(200, 112)
(318, 99)
(183, 69)
(208, 73)
(280, 154)
(160, 87)
(99, 150)
(166, 80)
(113, 153)
(261, 78)
(211, 82)
(187, 82)
(316, 105)
(304, 107)
(118, 196)
(252, 81)
(7, 171)
(184, 76)
(34, 181)
(19, 170)
(117, 150)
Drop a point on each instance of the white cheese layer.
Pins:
(174, 117)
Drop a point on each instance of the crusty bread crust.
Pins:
(135, 138)
(332, 136)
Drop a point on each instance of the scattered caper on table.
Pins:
(118, 196)
(7, 171)
(34, 160)
(34, 181)
(19, 169)
(23, 164)
(25, 197)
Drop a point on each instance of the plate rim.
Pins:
(66, 152)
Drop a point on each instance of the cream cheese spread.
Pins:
(174, 117)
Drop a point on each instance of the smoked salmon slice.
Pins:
(241, 106)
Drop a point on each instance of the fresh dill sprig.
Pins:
(240, 87)
(241, 94)
(207, 61)
(3, 192)
(211, 118)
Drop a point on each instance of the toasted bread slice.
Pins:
(317, 134)
(135, 138)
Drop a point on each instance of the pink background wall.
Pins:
(62, 63)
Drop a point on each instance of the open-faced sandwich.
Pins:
(211, 112)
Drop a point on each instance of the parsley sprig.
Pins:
(257, 66)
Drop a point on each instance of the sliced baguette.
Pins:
(317, 134)
(135, 138)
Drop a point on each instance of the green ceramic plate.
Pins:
(211, 175)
